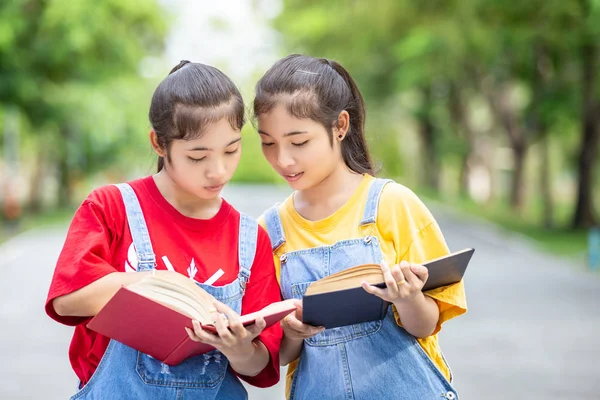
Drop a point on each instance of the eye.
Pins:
(300, 144)
(264, 144)
(196, 160)
(233, 151)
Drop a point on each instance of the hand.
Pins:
(294, 328)
(404, 282)
(234, 340)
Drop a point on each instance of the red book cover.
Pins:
(157, 330)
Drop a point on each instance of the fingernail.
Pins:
(404, 263)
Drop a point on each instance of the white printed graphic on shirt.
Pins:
(192, 270)
(132, 261)
(168, 263)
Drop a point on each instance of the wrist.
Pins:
(244, 354)
(411, 301)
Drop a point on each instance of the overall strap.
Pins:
(274, 227)
(248, 237)
(138, 228)
(370, 212)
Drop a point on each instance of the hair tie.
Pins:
(179, 66)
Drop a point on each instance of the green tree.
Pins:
(59, 57)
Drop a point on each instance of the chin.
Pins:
(300, 185)
(209, 195)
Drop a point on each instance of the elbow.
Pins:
(62, 307)
(283, 360)
(424, 333)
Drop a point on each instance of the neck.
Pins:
(329, 195)
(186, 203)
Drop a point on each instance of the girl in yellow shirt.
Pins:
(311, 119)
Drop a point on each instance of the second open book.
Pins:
(339, 299)
(151, 315)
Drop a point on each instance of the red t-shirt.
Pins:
(99, 243)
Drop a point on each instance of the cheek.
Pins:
(269, 153)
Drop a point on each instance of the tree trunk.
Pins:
(64, 175)
(35, 194)
(517, 136)
(585, 215)
(516, 193)
(540, 79)
(546, 185)
(463, 129)
(431, 164)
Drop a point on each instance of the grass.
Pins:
(559, 240)
(30, 221)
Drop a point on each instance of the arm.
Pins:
(294, 333)
(410, 229)
(247, 355)
(262, 290)
(290, 350)
(84, 277)
(88, 300)
(419, 314)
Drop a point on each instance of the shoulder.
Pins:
(107, 202)
(396, 192)
(277, 209)
(399, 203)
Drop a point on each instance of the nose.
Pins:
(284, 158)
(217, 170)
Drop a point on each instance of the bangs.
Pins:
(301, 104)
(191, 121)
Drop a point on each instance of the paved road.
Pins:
(532, 331)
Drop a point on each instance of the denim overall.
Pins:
(125, 373)
(372, 360)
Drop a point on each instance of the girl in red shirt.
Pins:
(174, 222)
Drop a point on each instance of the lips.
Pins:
(293, 177)
(214, 188)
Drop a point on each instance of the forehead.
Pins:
(279, 119)
(214, 135)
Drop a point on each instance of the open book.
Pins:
(339, 299)
(150, 316)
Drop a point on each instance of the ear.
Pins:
(342, 125)
(155, 146)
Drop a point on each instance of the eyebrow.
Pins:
(206, 148)
(285, 134)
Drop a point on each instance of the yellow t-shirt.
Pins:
(405, 229)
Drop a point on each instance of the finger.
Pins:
(223, 329)
(388, 278)
(233, 319)
(409, 276)
(192, 335)
(299, 328)
(398, 275)
(420, 271)
(374, 290)
(200, 335)
(257, 327)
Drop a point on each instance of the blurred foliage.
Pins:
(69, 71)
(488, 104)
(433, 68)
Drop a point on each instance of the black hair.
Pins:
(189, 99)
(319, 89)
